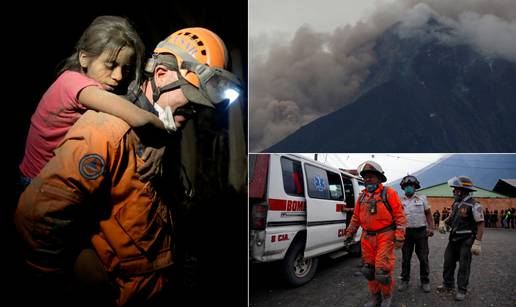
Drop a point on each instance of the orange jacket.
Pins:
(94, 170)
(362, 215)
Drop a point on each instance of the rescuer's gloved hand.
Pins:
(153, 163)
(442, 227)
(476, 248)
(348, 233)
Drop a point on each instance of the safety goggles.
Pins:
(216, 84)
(409, 180)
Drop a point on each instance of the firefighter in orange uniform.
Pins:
(380, 213)
(87, 215)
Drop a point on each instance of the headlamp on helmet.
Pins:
(216, 83)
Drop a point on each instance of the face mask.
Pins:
(371, 187)
(409, 190)
(457, 198)
(166, 116)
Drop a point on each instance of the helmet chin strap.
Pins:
(157, 91)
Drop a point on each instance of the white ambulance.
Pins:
(297, 213)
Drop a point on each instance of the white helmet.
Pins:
(461, 182)
(371, 167)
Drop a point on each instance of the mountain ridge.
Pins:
(421, 96)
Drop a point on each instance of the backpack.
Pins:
(383, 194)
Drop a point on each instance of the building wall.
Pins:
(489, 203)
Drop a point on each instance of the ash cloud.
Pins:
(490, 35)
(313, 74)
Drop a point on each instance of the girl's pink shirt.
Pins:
(57, 111)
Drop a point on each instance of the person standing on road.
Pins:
(419, 228)
(495, 219)
(467, 227)
(379, 212)
(444, 214)
(487, 218)
(437, 218)
(507, 218)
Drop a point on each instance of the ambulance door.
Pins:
(325, 220)
(286, 214)
(351, 192)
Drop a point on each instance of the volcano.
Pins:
(422, 95)
(484, 170)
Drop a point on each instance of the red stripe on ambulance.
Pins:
(339, 207)
(286, 205)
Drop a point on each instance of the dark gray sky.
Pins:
(268, 16)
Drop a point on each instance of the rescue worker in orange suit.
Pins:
(380, 213)
(467, 228)
(87, 216)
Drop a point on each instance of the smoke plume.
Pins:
(316, 73)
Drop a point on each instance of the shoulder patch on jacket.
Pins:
(91, 166)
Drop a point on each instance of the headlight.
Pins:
(231, 94)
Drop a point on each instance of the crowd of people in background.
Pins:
(493, 219)
(504, 219)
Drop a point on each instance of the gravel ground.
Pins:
(335, 284)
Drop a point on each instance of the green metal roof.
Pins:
(443, 190)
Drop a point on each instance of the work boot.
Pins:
(403, 285)
(387, 300)
(374, 300)
(426, 287)
(460, 296)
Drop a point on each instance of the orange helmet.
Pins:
(202, 44)
(201, 59)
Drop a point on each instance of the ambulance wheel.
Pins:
(298, 270)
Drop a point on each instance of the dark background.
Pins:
(37, 37)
